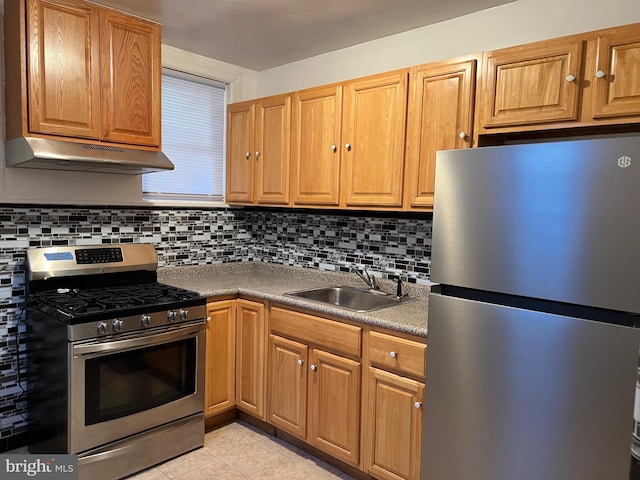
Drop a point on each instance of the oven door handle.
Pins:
(137, 342)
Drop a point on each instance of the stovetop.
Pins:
(77, 305)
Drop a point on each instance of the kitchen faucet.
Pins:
(370, 280)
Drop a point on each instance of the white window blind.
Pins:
(193, 116)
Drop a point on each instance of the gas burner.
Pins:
(74, 304)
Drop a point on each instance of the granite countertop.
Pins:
(270, 282)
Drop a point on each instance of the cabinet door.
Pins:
(440, 118)
(240, 153)
(616, 79)
(287, 404)
(221, 348)
(373, 140)
(534, 83)
(394, 426)
(273, 150)
(317, 124)
(131, 76)
(63, 68)
(334, 405)
(250, 358)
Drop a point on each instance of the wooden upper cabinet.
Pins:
(533, 83)
(259, 151)
(373, 140)
(63, 68)
(273, 150)
(76, 70)
(440, 117)
(240, 152)
(131, 76)
(317, 126)
(616, 77)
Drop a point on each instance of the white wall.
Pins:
(519, 22)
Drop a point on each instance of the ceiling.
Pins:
(261, 34)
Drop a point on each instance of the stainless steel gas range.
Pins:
(115, 359)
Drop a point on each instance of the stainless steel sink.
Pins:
(350, 298)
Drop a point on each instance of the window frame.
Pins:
(239, 81)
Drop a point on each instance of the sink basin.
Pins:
(350, 298)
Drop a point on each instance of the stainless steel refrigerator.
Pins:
(533, 338)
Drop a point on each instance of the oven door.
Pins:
(120, 387)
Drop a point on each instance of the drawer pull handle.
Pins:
(393, 354)
(418, 404)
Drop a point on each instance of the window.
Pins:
(193, 127)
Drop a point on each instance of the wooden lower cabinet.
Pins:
(288, 385)
(250, 358)
(394, 430)
(220, 357)
(314, 386)
(334, 405)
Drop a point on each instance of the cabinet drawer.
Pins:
(319, 331)
(399, 354)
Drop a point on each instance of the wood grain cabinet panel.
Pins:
(317, 126)
(240, 152)
(250, 358)
(373, 140)
(534, 83)
(63, 68)
(273, 150)
(259, 151)
(616, 76)
(220, 357)
(287, 398)
(334, 405)
(131, 76)
(395, 426)
(440, 117)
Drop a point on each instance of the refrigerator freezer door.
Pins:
(557, 221)
(514, 394)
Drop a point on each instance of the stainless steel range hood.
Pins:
(31, 152)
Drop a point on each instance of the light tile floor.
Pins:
(239, 451)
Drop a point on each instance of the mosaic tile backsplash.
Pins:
(383, 244)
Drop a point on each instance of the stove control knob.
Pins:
(184, 314)
(117, 325)
(145, 320)
(172, 316)
(102, 328)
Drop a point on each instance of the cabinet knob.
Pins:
(418, 404)
(347, 146)
(248, 154)
(571, 78)
(313, 368)
(599, 74)
(300, 361)
(462, 135)
(334, 148)
(208, 319)
(393, 354)
(257, 155)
